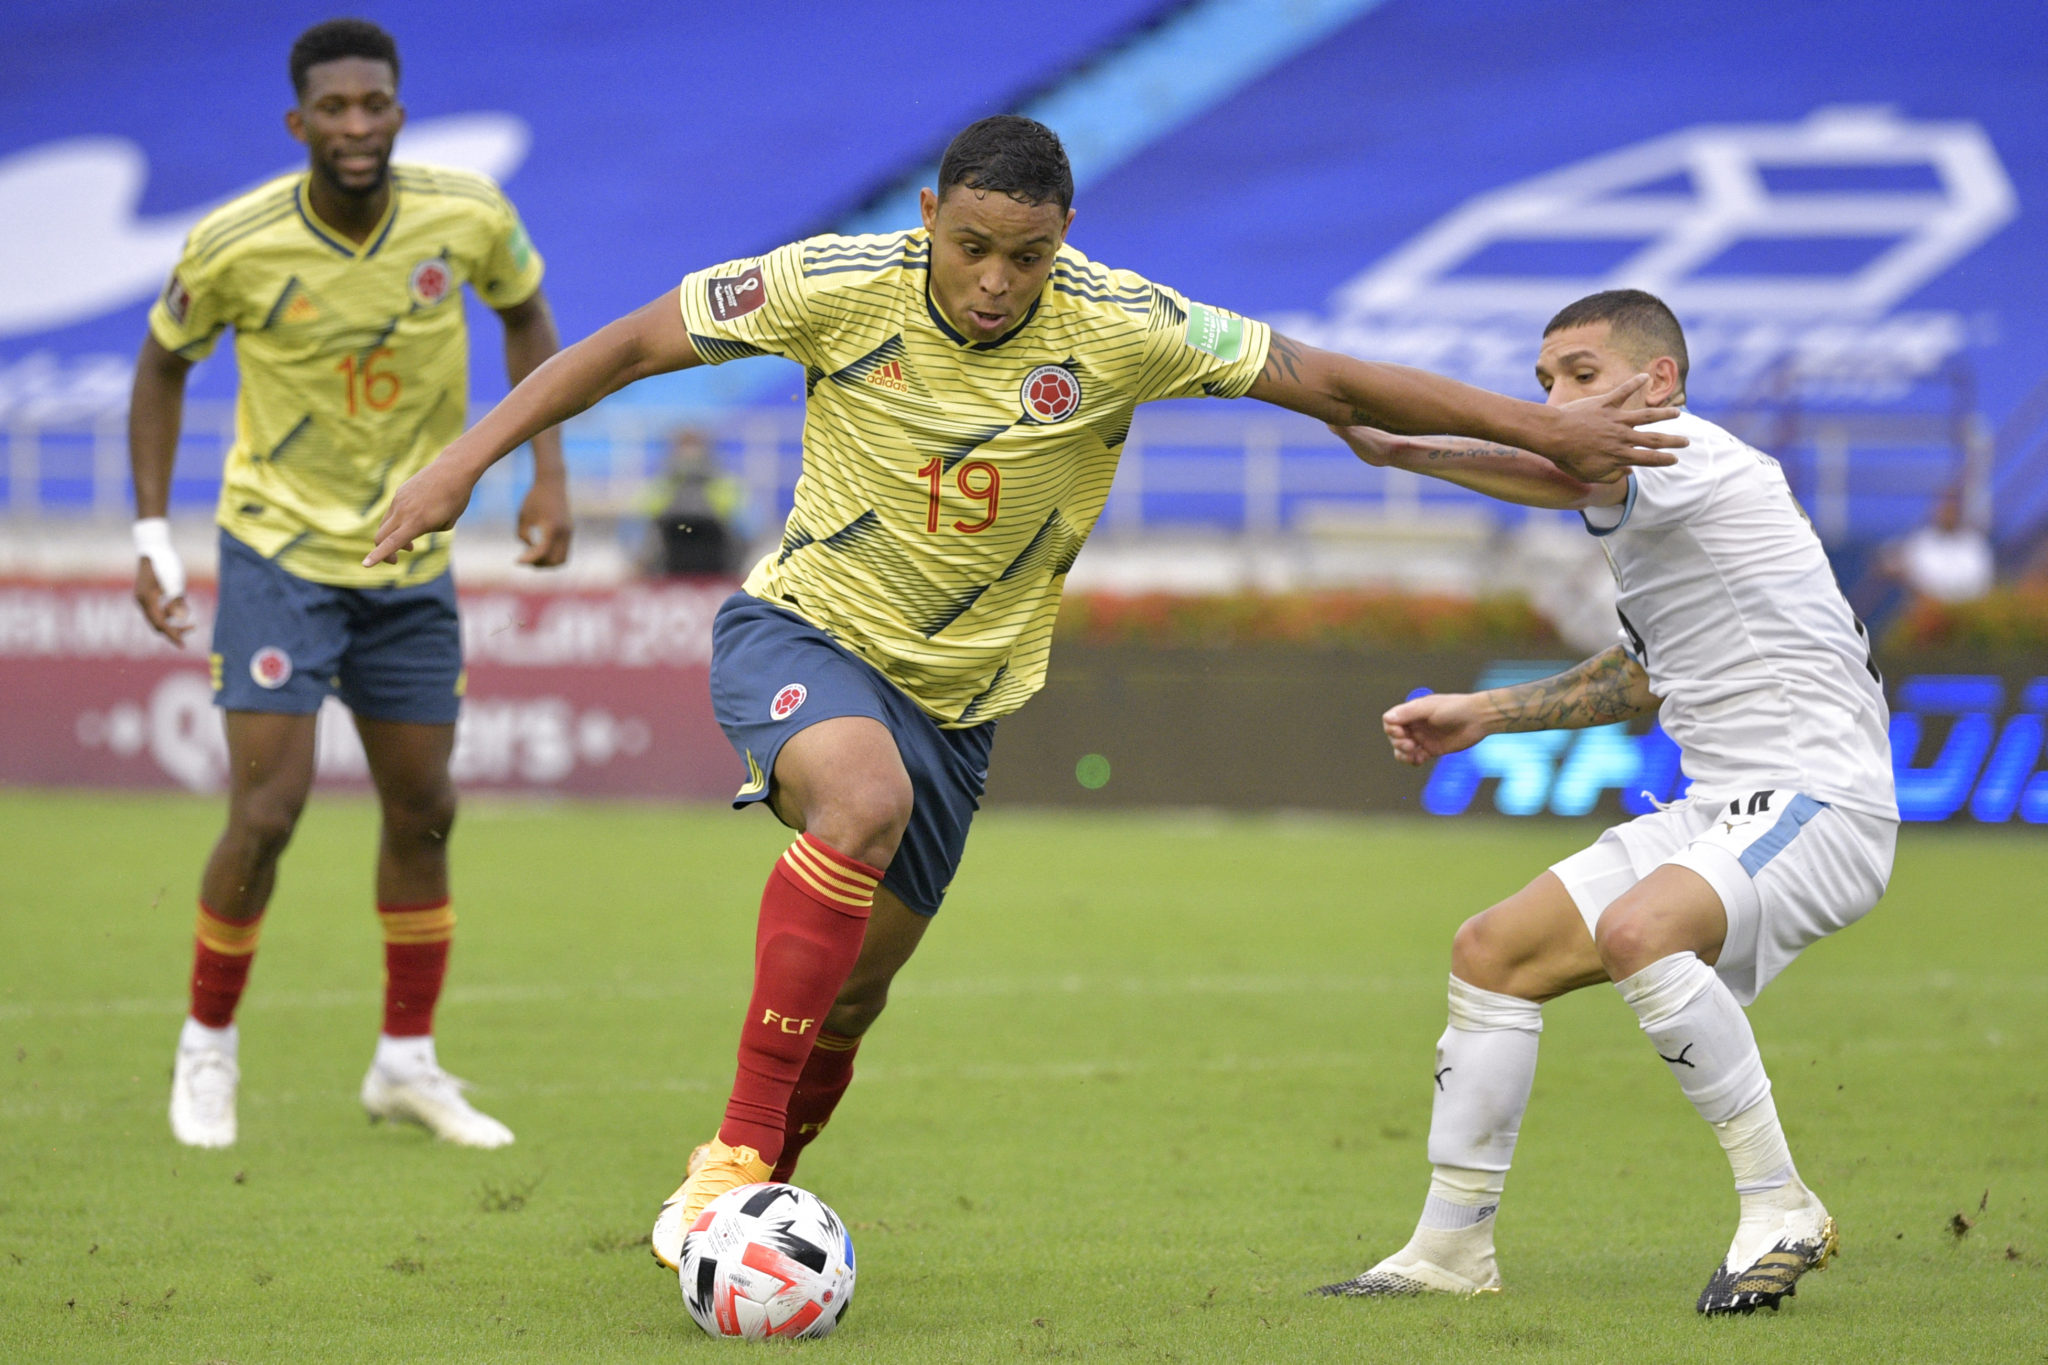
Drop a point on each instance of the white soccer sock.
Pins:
(197, 1037)
(1704, 1036)
(1485, 1068)
(405, 1057)
(1757, 1153)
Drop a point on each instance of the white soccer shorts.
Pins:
(1789, 870)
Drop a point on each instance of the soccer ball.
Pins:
(767, 1261)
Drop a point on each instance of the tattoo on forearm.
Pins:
(1473, 451)
(1606, 688)
(1283, 360)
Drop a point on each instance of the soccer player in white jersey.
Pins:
(1735, 634)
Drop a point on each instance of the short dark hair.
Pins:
(1011, 155)
(1643, 322)
(338, 38)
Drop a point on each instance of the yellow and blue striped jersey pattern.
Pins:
(948, 485)
(353, 358)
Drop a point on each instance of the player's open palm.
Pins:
(1608, 440)
(1431, 726)
(429, 501)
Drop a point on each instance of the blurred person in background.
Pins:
(1947, 560)
(343, 286)
(695, 522)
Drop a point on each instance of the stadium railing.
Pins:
(1241, 469)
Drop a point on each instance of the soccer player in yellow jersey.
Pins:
(343, 287)
(971, 384)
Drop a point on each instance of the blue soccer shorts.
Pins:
(774, 673)
(282, 644)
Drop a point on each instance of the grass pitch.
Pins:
(1149, 1080)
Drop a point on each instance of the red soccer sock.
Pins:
(416, 939)
(825, 1078)
(221, 953)
(814, 914)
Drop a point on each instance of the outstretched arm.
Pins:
(1591, 443)
(1486, 467)
(1606, 688)
(651, 340)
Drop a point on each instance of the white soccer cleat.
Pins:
(203, 1082)
(1783, 1234)
(1433, 1262)
(433, 1099)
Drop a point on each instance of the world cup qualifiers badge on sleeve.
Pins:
(733, 296)
(177, 299)
(1050, 393)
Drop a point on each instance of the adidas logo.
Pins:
(890, 376)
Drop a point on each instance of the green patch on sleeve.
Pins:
(1214, 332)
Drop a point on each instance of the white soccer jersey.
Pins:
(1730, 606)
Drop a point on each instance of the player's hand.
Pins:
(429, 501)
(544, 524)
(168, 616)
(1431, 726)
(1602, 441)
(1369, 444)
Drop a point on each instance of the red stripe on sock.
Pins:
(826, 1074)
(804, 948)
(413, 971)
(218, 979)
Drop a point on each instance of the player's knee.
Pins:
(866, 818)
(1627, 942)
(1476, 955)
(425, 816)
(263, 822)
(858, 1006)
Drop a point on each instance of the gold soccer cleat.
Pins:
(713, 1169)
(1772, 1277)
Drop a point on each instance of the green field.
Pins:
(1150, 1079)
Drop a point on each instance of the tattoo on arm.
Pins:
(1283, 360)
(1470, 450)
(1606, 688)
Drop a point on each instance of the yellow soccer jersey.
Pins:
(354, 359)
(948, 484)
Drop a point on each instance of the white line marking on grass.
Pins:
(945, 988)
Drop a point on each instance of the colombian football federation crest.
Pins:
(270, 667)
(787, 701)
(430, 282)
(1050, 393)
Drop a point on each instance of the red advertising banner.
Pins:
(592, 693)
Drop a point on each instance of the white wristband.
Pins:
(153, 543)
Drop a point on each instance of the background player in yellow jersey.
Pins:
(971, 384)
(343, 287)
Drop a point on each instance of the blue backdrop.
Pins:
(1843, 200)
